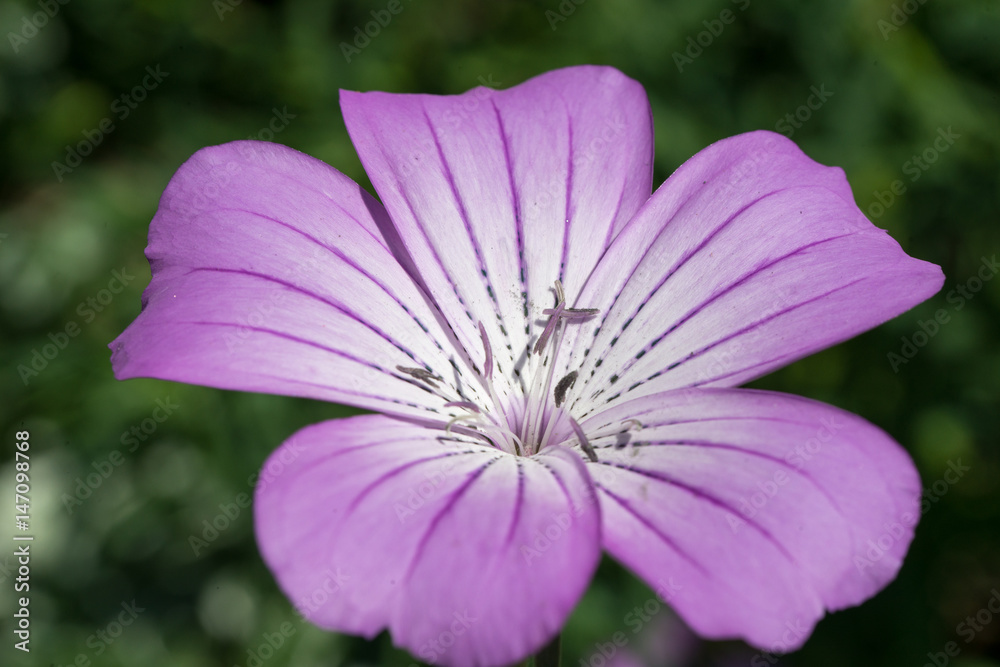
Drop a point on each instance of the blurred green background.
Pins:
(894, 77)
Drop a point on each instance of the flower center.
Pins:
(545, 415)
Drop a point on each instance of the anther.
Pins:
(561, 312)
(488, 366)
(576, 313)
(550, 327)
(467, 405)
(420, 374)
(563, 386)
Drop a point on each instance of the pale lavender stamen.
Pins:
(585, 445)
(550, 327)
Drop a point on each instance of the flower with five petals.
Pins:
(553, 352)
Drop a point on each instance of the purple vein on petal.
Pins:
(396, 471)
(296, 339)
(767, 319)
(438, 313)
(432, 526)
(569, 190)
(699, 420)
(687, 442)
(476, 248)
(321, 520)
(668, 274)
(750, 327)
(693, 562)
(710, 499)
(518, 502)
(635, 267)
(271, 176)
(518, 221)
(701, 306)
(382, 443)
(611, 229)
(560, 482)
(347, 260)
(306, 383)
(346, 311)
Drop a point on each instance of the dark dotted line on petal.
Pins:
(518, 229)
(337, 306)
(336, 252)
(477, 251)
(460, 348)
(720, 293)
(703, 244)
(339, 353)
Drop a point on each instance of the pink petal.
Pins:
(755, 512)
(469, 556)
(620, 658)
(270, 274)
(749, 257)
(497, 194)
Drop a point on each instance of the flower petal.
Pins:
(749, 257)
(763, 510)
(270, 274)
(468, 555)
(496, 194)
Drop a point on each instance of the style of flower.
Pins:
(553, 351)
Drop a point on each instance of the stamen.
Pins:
(492, 433)
(625, 427)
(488, 366)
(563, 386)
(487, 377)
(584, 443)
(467, 405)
(494, 420)
(561, 312)
(550, 327)
(518, 445)
(420, 374)
(579, 313)
(536, 413)
(460, 418)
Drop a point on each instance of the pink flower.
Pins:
(553, 351)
